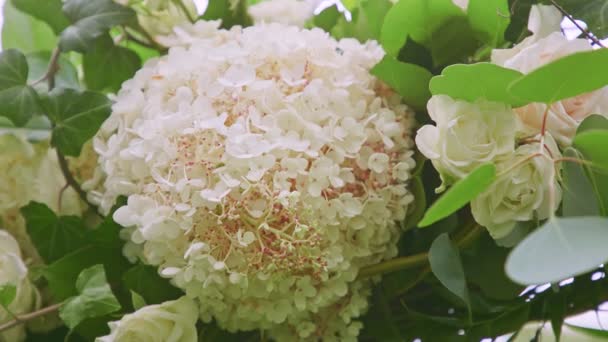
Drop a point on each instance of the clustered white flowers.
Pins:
(466, 135)
(13, 272)
(264, 167)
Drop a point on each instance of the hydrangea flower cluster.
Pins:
(263, 167)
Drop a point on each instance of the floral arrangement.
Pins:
(294, 170)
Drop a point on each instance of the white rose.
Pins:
(14, 272)
(546, 45)
(522, 191)
(173, 321)
(466, 135)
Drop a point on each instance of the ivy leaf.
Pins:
(145, 281)
(18, 101)
(577, 188)
(122, 62)
(25, 33)
(459, 194)
(90, 19)
(593, 12)
(489, 19)
(53, 236)
(409, 80)
(76, 116)
(221, 9)
(471, 82)
(95, 298)
(48, 11)
(566, 77)
(561, 248)
(446, 265)
(8, 292)
(66, 77)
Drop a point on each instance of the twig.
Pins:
(585, 32)
(65, 169)
(30, 316)
(51, 70)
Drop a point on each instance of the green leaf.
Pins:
(489, 19)
(577, 188)
(520, 11)
(566, 77)
(66, 76)
(137, 300)
(21, 31)
(76, 116)
(53, 236)
(145, 281)
(471, 82)
(561, 248)
(327, 18)
(459, 194)
(452, 42)
(122, 62)
(18, 101)
(366, 21)
(48, 11)
(95, 298)
(593, 12)
(91, 19)
(593, 146)
(409, 80)
(592, 122)
(8, 292)
(446, 265)
(220, 9)
(557, 308)
(417, 19)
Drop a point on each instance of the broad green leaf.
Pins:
(592, 122)
(137, 300)
(145, 281)
(8, 292)
(452, 42)
(366, 21)
(490, 19)
(122, 62)
(417, 19)
(95, 298)
(446, 265)
(76, 116)
(559, 249)
(25, 33)
(592, 144)
(566, 77)
(91, 19)
(471, 82)
(18, 101)
(53, 236)
(220, 9)
(593, 12)
(459, 194)
(48, 11)
(409, 80)
(326, 19)
(577, 188)
(38, 62)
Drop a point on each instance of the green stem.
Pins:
(29, 316)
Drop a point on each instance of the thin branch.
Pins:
(585, 32)
(30, 316)
(65, 169)
(51, 70)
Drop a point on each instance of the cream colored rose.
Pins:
(14, 272)
(465, 135)
(522, 191)
(173, 321)
(546, 45)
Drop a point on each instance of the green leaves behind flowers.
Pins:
(48, 11)
(409, 80)
(459, 194)
(94, 299)
(18, 101)
(559, 249)
(76, 117)
(489, 19)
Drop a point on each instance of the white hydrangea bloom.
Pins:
(466, 135)
(548, 44)
(13, 271)
(172, 321)
(288, 12)
(527, 188)
(263, 169)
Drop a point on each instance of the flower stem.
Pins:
(29, 316)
